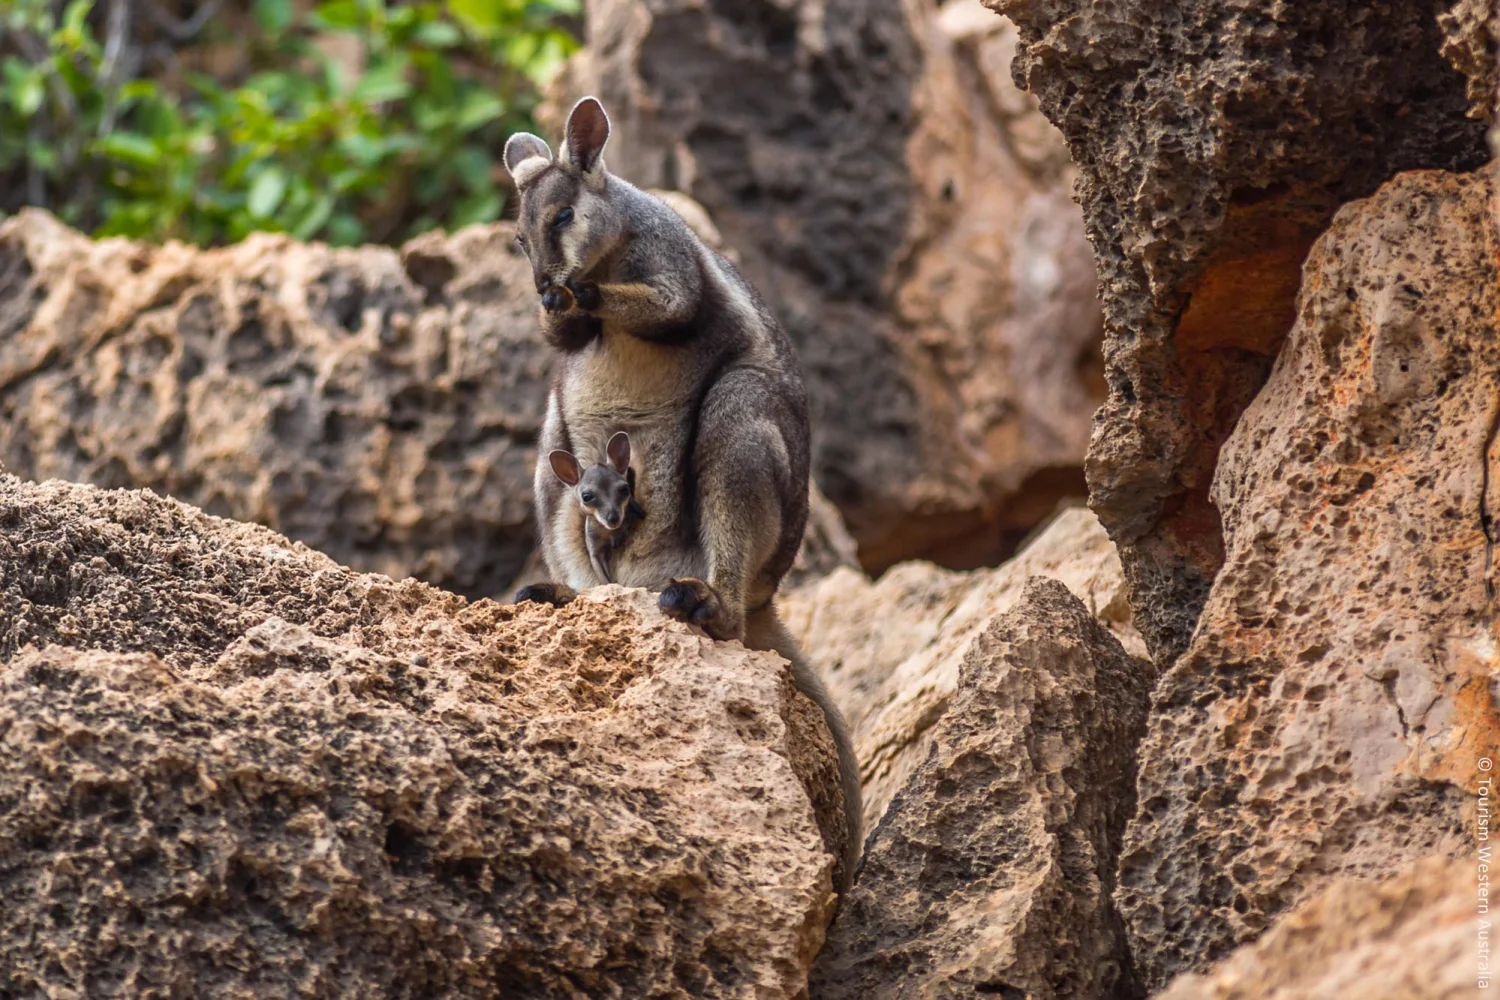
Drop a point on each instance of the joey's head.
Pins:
(603, 491)
(567, 223)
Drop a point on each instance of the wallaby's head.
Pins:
(603, 490)
(567, 224)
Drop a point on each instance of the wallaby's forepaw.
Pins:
(557, 299)
(695, 602)
(554, 594)
(586, 295)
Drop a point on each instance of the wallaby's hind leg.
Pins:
(751, 502)
(555, 594)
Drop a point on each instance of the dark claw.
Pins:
(688, 601)
(677, 601)
(544, 593)
(587, 296)
(557, 299)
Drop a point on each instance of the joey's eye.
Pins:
(562, 218)
(587, 497)
(521, 241)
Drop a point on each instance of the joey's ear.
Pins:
(566, 467)
(526, 156)
(587, 133)
(618, 451)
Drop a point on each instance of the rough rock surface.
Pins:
(905, 208)
(1471, 43)
(991, 872)
(232, 767)
(381, 407)
(1329, 714)
(1215, 141)
(891, 650)
(1412, 936)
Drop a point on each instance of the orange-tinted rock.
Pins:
(1414, 936)
(1215, 142)
(1328, 717)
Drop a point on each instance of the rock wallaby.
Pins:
(660, 336)
(606, 498)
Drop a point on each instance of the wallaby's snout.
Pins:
(611, 516)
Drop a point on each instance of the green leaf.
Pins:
(266, 192)
(129, 148)
(478, 208)
(345, 230)
(474, 166)
(27, 97)
(438, 34)
(342, 15)
(385, 81)
(478, 108)
(274, 15)
(316, 217)
(485, 18)
(75, 18)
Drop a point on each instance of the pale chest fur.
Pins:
(623, 383)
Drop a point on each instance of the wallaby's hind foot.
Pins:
(695, 602)
(555, 594)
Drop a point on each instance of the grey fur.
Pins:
(606, 498)
(661, 336)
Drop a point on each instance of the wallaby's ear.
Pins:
(566, 467)
(618, 451)
(587, 133)
(526, 156)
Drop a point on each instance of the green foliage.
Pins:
(408, 141)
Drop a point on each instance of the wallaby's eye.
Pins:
(587, 496)
(562, 218)
(521, 241)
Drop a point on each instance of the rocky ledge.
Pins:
(233, 767)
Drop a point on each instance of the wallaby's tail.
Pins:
(764, 630)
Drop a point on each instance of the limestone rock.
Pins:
(1215, 142)
(992, 870)
(905, 209)
(1471, 43)
(382, 408)
(1414, 936)
(234, 768)
(890, 651)
(1329, 714)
